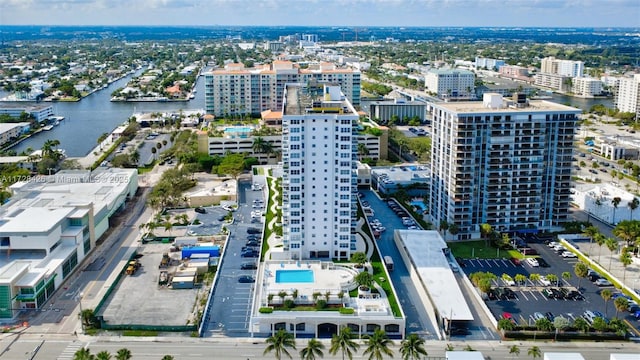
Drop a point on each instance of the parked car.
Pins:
(200, 210)
(252, 230)
(544, 281)
(516, 261)
(603, 282)
(248, 266)
(246, 279)
(542, 262)
(574, 295)
(532, 262)
(568, 254)
(537, 316)
(252, 253)
(252, 243)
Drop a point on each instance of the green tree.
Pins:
(520, 279)
(515, 350)
(544, 324)
(581, 270)
(123, 354)
(566, 276)
(279, 343)
(343, 342)
(232, 164)
(600, 324)
(534, 352)
(615, 202)
(606, 296)
(83, 354)
(600, 240)
(621, 304)
(378, 345)
(633, 205)
(312, 350)
(103, 355)
(484, 285)
(581, 324)
(626, 260)
(359, 258)
(591, 232)
(612, 245)
(506, 324)
(364, 279)
(412, 347)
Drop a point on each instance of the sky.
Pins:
(515, 13)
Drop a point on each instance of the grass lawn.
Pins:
(477, 249)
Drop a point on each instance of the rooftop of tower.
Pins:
(496, 103)
(315, 98)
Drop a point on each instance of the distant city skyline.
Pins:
(408, 13)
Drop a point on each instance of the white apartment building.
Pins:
(487, 63)
(50, 225)
(553, 82)
(319, 183)
(239, 90)
(501, 162)
(628, 94)
(586, 87)
(11, 131)
(451, 83)
(39, 112)
(570, 68)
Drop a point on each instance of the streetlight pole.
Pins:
(81, 316)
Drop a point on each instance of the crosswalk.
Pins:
(70, 350)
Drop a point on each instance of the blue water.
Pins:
(237, 129)
(294, 276)
(419, 203)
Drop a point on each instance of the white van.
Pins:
(532, 262)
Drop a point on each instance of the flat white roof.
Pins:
(35, 219)
(563, 356)
(424, 247)
(30, 279)
(463, 355)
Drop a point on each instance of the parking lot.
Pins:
(210, 222)
(532, 298)
(230, 307)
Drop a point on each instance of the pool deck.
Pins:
(327, 277)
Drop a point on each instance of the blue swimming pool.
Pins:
(238, 129)
(419, 204)
(294, 276)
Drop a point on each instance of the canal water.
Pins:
(94, 115)
(87, 119)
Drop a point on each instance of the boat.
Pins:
(47, 128)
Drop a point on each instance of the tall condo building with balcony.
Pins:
(319, 183)
(236, 90)
(628, 94)
(570, 68)
(451, 83)
(503, 162)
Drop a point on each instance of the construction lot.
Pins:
(139, 299)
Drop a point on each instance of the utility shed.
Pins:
(463, 355)
(563, 356)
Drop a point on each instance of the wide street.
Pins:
(226, 348)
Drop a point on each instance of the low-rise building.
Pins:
(49, 226)
(586, 87)
(451, 83)
(414, 179)
(11, 131)
(553, 82)
(600, 200)
(40, 113)
(384, 111)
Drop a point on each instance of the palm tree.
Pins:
(103, 355)
(412, 347)
(581, 270)
(612, 245)
(600, 240)
(135, 156)
(83, 354)
(633, 204)
(534, 352)
(444, 226)
(606, 296)
(514, 349)
(378, 345)
(621, 304)
(362, 151)
(591, 232)
(343, 342)
(123, 354)
(626, 260)
(627, 230)
(566, 276)
(279, 342)
(314, 348)
(615, 201)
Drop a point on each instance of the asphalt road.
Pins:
(196, 349)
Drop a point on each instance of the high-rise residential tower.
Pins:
(319, 185)
(503, 162)
(236, 90)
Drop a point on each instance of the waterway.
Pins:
(584, 104)
(87, 119)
